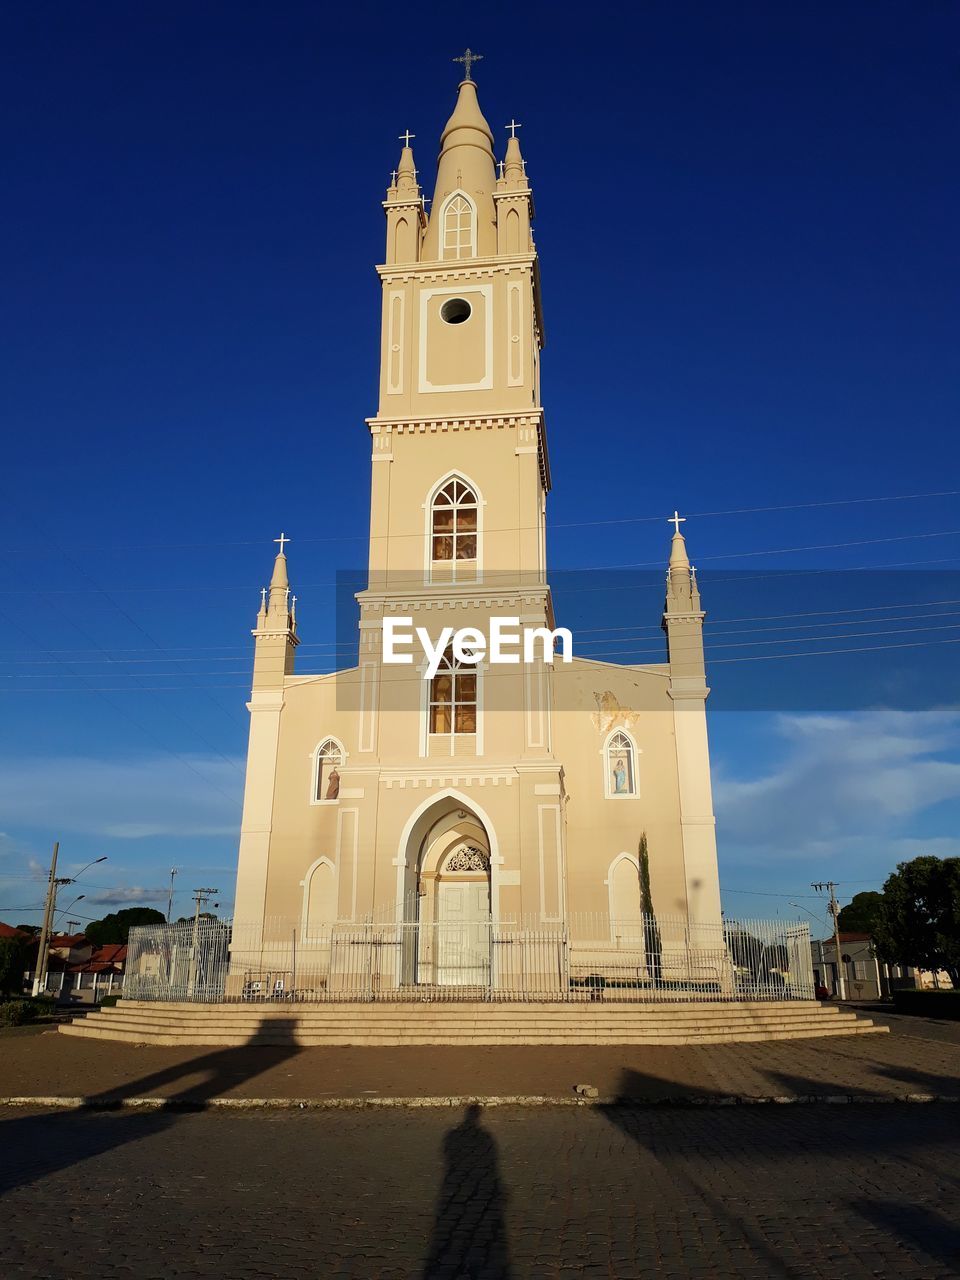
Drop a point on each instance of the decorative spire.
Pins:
(406, 172)
(678, 547)
(466, 164)
(279, 582)
(514, 174)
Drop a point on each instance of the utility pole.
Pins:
(202, 897)
(72, 924)
(830, 886)
(49, 912)
(173, 874)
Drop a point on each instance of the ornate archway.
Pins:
(449, 865)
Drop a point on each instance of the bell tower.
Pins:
(461, 337)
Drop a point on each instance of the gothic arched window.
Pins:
(453, 523)
(458, 228)
(620, 765)
(328, 760)
(453, 697)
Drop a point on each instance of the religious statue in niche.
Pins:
(333, 784)
(621, 765)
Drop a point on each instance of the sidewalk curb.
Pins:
(464, 1100)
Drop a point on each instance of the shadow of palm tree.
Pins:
(50, 1141)
(469, 1238)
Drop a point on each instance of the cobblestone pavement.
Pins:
(840, 1192)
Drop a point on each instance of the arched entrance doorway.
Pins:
(448, 912)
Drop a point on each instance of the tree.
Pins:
(860, 915)
(651, 930)
(919, 920)
(115, 928)
(14, 959)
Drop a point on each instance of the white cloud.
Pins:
(122, 897)
(153, 796)
(848, 784)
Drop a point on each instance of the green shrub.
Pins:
(14, 1013)
(109, 1001)
(928, 1004)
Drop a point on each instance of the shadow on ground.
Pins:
(43, 1147)
(469, 1236)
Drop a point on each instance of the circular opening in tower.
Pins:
(455, 311)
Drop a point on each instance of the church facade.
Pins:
(481, 795)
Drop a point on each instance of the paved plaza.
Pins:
(840, 1192)
(918, 1057)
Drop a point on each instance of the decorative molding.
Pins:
(428, 781)
(424, 385)
(467, 857)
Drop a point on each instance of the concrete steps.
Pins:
(465, 1023)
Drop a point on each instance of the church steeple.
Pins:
(682, 615)
(275, 635)
(406, 216)
(466, 165)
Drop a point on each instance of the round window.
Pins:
(455, 310)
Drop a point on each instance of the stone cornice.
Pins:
(459, 269)
(532, 417)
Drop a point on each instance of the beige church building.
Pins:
(484, 797)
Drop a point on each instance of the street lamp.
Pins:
(79, 898)
(86, 868)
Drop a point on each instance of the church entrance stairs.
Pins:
(486, 1023)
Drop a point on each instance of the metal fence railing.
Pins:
(586, 957)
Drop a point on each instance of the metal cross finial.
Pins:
(406, 136)
(282, 539)
(513, 127)
(677, 520)
(469, 57)
(393, 177)
(263, 597)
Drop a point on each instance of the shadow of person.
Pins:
(50, 1141)
(469, 1238)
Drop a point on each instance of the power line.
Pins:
(559, 670)
(234, 653)
(566, 524)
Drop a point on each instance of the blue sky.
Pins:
(746, 219)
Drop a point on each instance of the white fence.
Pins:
(587, 957)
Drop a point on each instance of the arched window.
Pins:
(458, 227)
(620, 766)
(453, 697)
(453, 523)
(329, 758)
(319, 900)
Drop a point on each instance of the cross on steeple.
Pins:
(513, 127)
(406, 136)
(677, 520)
(469, 57)
(282, 539)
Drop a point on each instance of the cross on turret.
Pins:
(513, 127)
(406, 136)
(282, 540)
(677, 520)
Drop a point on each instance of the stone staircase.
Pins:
(463, 1023)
